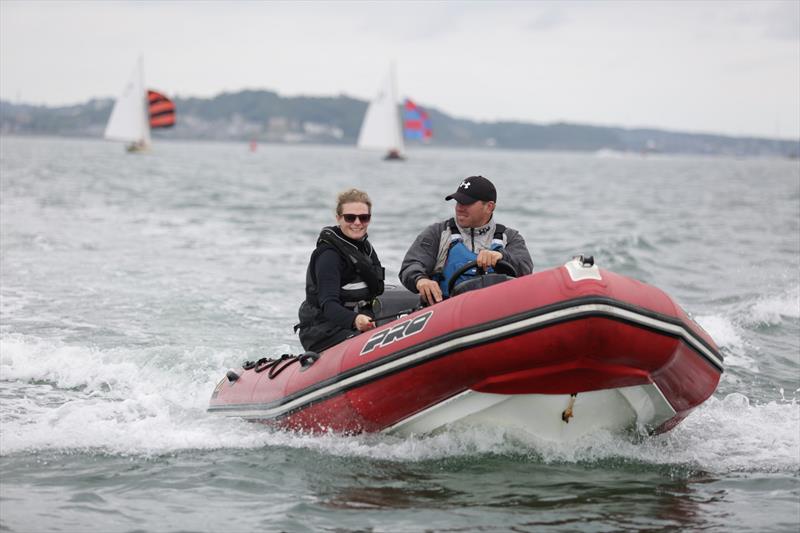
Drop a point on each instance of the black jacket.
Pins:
(342, 279)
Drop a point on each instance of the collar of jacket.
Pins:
(479, 231)
(360, 244)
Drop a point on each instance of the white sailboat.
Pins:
(130, 118)
(381, 128)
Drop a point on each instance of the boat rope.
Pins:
(276, 366)
(567, 413)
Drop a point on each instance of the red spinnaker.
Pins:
(162, 110)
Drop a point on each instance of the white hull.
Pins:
(642, 407)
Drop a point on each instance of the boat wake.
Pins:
(772, 310)
(151, 401)
(744, 330)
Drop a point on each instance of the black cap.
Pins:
(472, 189)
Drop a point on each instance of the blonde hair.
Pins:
(350, 196)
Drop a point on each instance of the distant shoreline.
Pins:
(266, 117)
(245, 144)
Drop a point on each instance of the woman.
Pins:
(344, 275)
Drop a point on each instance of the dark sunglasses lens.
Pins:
(352, 218)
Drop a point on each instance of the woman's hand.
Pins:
(363, 323)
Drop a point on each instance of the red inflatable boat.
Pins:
(558, 353)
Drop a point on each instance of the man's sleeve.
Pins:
(516, 253)
(420, 258)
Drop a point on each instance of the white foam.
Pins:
(122, 399)
(730, 434)
(729, 337)
(733, 331)
(153, 400)
(721, 436)
(722, 330)
(771, 310)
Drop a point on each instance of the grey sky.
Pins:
(730, 67)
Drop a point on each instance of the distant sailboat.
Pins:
(381, 127)
(136, 111)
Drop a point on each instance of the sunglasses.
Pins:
(350, 218)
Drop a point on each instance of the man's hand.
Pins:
(363, 323)
(488, 258)
(429, 290)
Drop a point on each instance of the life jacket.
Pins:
(459, 255)
(361, 282)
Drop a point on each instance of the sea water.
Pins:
(131, 283)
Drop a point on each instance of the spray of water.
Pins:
(152, 401)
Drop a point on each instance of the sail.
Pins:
(162, 110)
(416, 122)
(128, 121)
(381, 126)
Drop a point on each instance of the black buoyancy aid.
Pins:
(363, 277)
(361, 282)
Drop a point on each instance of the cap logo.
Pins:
(464, 184)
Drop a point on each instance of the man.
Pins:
(472, 235)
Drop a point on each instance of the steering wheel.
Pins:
(501, 267)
